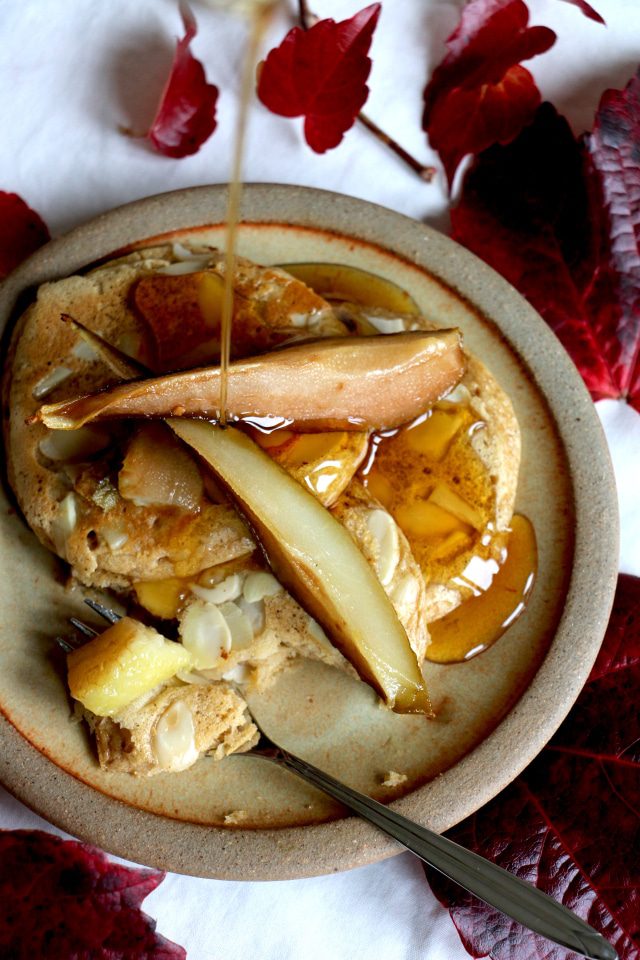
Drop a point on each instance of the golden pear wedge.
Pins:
(336, 383)
(316, 559)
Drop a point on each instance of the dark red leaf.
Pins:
(65, 900)
(478, 81)
(186, 116)
(563, 226)
(571, 823)
(614, 298)
(587, 9)
(21, 232)
(470, 120)
(321, 74)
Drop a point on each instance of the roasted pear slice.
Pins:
(316, 559)
(338, 281)
(341, 383)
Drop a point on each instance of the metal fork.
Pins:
(500, 889)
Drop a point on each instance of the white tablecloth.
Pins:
(71, 74)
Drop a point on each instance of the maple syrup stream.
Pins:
(260, 16)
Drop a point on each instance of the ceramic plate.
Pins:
(495, 712)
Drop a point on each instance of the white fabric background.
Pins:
(71, 74)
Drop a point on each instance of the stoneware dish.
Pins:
(495, 712)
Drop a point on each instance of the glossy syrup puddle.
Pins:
(501, 592)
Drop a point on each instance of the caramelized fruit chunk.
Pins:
(324, 463)
(163, 598)
(157, 470)
(329, 384)
(123, 663)
(316, 559)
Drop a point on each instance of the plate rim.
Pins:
(294, 852)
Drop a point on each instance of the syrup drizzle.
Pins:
(497, 602)
(260, 16)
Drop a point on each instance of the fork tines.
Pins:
(107, 614)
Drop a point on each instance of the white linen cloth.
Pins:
(71, 74)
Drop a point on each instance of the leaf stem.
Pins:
(307, 20)
(425, 173)
(304, 15)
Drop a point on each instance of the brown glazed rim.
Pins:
(339, 845)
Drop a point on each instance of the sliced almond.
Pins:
(50, 381)
(259, 585)
(228, 589)
(254, 612)
(82, 444)
(64, 523)
(239, 626)
(173, 741)
(383, 528)
(114, 536)
(205, 633)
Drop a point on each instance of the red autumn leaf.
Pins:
(613, 300)
(65, 900)
(587, 9)
(563, 227)
(186, 115)
(321, 74)
(21, 232)
(571, 822)
(470, 120)
(479, 82)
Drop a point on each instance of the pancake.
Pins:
(63, 482)
(97, 496)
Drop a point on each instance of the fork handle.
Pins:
(515, 897)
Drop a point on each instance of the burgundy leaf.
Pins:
(587, 9)
(468, 120)
(614, 299)
(65, 900)
(477, 82)
(570, 823)
(186, 115)
(321, 74)
(21, 232)
(561, 224)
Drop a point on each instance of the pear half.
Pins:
(342, 383)
(315, 558)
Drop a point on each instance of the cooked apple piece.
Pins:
(324, 463)
(123, 663)
(434, 436)
(317, 560)
(157, 470)
(163, 598)
(425, 520)
(443, 496)
(339, 383)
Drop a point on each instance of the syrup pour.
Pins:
(260, 15)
